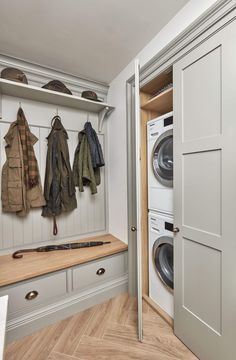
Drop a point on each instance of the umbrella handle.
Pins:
(18, 254)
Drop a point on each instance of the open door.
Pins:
(138, 201)
(205, 197)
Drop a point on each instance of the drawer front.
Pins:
(27, 294)
(99, 271)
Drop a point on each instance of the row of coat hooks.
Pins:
(57, 113)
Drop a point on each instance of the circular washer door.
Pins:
(163, 260)
(162, 159)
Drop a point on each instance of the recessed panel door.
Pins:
(205, 197)
(138, 200)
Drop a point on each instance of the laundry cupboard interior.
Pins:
(151, 106)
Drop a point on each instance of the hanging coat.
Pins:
(59, 188)
(94, 145)
(21, 185)
(88, 160)
(84, 173)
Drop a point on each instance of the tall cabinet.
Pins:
(205, 196)
(204, 98)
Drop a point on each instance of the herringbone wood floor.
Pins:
(106, 331)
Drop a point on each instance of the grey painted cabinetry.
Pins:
(38, 302)
(205, 196)
(98, 272)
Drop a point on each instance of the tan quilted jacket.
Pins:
(15, 197)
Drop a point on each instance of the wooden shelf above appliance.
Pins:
(35, 93)
(161, 103)
(158, 82)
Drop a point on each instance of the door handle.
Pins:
(175, 230)
(133, 228)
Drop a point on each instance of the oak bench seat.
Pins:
(37, 264)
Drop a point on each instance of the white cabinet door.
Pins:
(3, 319)
(138, 200)
(205, 197)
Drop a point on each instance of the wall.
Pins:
(117, 172)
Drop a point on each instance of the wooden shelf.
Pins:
(52, 97)
(161, 103)
(158, 82)
(36, 264)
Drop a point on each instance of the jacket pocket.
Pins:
(35, 197)
(14, 165)
(14, 192)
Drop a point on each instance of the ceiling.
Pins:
(94, 39)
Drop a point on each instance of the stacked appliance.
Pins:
(160, 205)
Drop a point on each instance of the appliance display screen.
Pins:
(168, 121)
(168, 226)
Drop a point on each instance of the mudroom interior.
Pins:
(118, 200)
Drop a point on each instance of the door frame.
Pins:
(211, 21)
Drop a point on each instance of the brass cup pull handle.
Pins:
(100, 271)
(31, 295)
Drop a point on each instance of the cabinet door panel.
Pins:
(138, 201)
(205, 197)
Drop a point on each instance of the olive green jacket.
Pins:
(84, 173)
(59, 188)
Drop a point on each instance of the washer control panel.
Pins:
(160, 225)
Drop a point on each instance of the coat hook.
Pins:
(57, 111)
(87, 117)
(20, 104)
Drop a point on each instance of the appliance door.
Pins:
(205, 196)
(162, 158)
(138, 201)
(163, 260)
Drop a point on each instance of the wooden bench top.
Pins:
(36, 264)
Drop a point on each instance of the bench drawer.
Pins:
(99, 271)
(27, 294)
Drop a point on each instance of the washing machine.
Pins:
(160, 164)
(161, 276)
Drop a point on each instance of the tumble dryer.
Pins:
(160, 164)
(161, 279)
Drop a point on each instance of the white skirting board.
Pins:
(36, 320)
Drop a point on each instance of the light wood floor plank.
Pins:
(59, 356)
(39, 346)
(99, 349)
(70, 337)
(106, 331)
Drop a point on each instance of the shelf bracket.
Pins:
(102, 115)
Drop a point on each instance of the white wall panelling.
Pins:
(90, 216)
